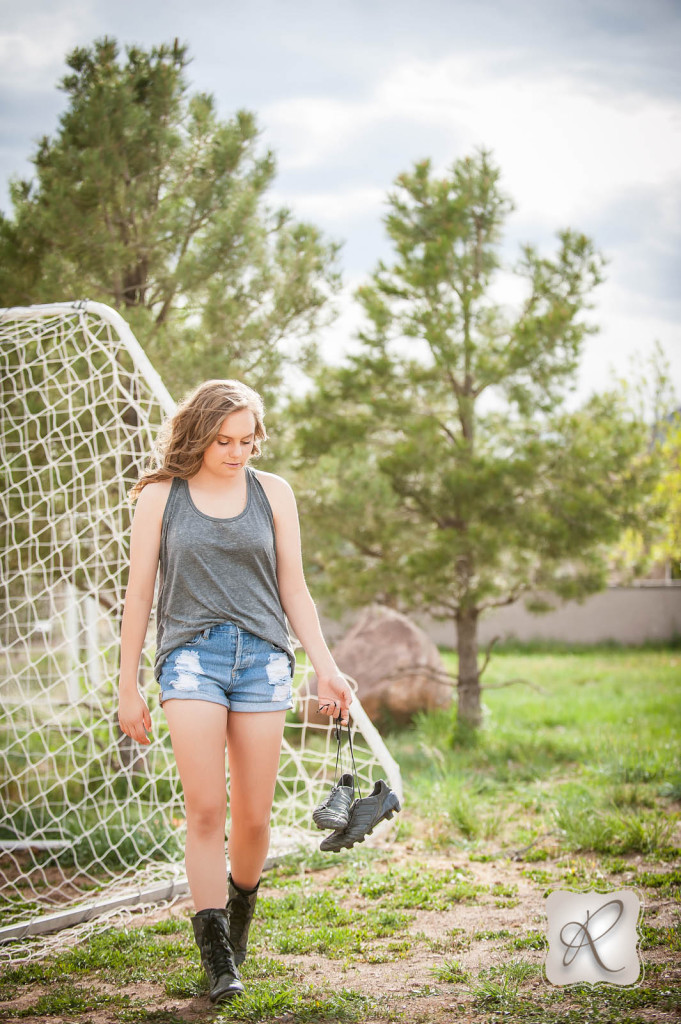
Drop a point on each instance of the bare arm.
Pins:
(145, 542)
(297, 602)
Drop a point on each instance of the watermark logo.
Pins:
(593, 937)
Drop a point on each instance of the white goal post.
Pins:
(92, 823)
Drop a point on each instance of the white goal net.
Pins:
(92, 823)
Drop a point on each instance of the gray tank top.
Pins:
(217, 570)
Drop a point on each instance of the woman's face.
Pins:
(232, 448)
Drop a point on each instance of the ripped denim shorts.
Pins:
(227, 665)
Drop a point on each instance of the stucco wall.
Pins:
(629, 615)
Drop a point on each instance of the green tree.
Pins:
(146, 200)
(656, 543)
(417, 495)
(668, 545)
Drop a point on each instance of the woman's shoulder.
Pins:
(157, 490)
(275, 487)
(264, 475)
(152, 499)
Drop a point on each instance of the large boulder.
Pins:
(397, 668)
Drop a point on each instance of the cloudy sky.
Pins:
(580, 103)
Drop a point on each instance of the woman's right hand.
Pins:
(133, 716)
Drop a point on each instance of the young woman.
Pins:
(228, 542)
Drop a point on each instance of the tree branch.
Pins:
(487, 656)
(438, 676)
(512, 682)
(513, 596)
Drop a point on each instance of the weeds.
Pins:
(533, 940)
(269, 1000)
(538, 772)
(416, 886)
(450, 970)
(498, 986)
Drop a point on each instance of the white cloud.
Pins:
(571, 154)
(628, 327)
(339, 338)
(32, 56)
(572, 150)
(337, 206)
(306, 130)
(564, 146)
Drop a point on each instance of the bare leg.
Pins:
(254, 745)
(198, 729)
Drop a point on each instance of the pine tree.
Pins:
(145, 199)
(417, 496)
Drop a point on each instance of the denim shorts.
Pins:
(227, 665)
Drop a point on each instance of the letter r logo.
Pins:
(592, 937)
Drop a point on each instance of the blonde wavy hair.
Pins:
(183, 437)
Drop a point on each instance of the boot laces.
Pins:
(239, 912)
(221, 952)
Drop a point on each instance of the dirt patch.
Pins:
(399, 973)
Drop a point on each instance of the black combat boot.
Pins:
(240, 907)
(211, 931)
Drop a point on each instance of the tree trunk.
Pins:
(469, 711)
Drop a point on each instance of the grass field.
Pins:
(575, 779)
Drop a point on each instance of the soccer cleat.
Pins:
(365, 815)
(334, 812)
(211, 931)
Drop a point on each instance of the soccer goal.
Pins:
(92, 824)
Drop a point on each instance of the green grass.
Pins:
(669, 937)
(67, 998)
(415, 886)
(486, 933)
(271, 999)
(498, 986)
(582, 778)
(587, 763)
(451, 971)
(532, 940)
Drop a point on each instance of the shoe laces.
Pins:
(239, 910)
(221, 952)
(338, 773)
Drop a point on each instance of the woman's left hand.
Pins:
(334, 694)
